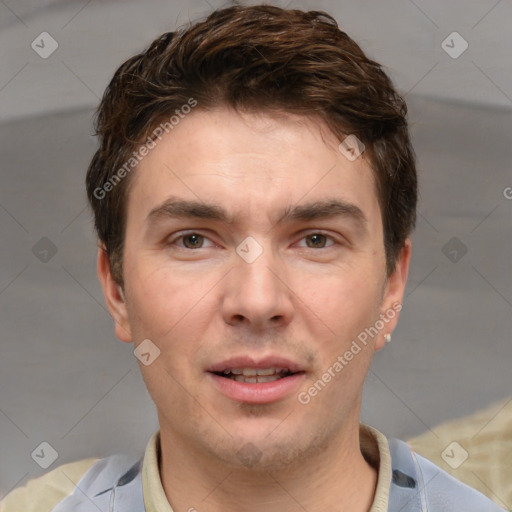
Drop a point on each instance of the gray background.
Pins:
(65, 378)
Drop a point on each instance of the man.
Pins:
(254, 192)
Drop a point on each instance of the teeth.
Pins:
(270, 378)
(252, 372)
(257, 379)
(256, 375)
(266, 371)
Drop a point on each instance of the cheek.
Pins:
(174, 311)
(344, 307)
(171, 310)
(164, 299)
(341, 303)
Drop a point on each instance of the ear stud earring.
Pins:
(387, 338)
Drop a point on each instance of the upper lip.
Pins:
(253, 362)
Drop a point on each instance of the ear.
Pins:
(394, 293)
(114, 297)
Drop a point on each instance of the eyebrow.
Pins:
(325, 209)
(180, 208)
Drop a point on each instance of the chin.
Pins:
(264, 451)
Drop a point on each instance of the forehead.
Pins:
(252, 163)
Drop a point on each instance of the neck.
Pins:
(334, 479)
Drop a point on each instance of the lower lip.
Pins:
(257, 393)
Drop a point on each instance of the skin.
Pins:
(305, 297)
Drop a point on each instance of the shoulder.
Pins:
(447, 493)
(474, 449)
(43, 493)
(416, 479)
(81, 484)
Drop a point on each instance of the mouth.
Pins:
(256, 375)
(249, 380)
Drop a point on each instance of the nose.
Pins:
(257, 295)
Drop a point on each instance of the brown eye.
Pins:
(193, 241)
(316, 240)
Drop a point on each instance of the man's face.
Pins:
(308, 281)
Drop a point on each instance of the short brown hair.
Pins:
(255, 58)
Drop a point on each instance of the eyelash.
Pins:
(181, 237)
